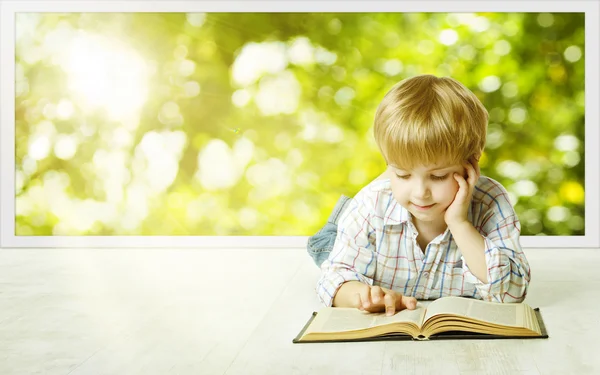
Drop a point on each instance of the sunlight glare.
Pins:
(105, 73)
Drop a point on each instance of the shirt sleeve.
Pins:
(353, 254)
(508, 270)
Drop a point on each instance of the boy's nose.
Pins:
(422, 192)
(421, 198)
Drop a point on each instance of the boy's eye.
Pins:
(404, 177)
(439, 178)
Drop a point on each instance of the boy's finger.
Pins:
(462, 185)
(469, 168)
(405, 302)
(390, 303)
(471, 174)
(376, 294)
(365, 297)
(358, 302)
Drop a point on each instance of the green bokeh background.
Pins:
(255, 123)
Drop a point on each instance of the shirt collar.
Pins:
(394, 214)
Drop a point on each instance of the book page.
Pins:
(508, 314)
(338, 319)
(413, 316)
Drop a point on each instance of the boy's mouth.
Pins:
(423, 208)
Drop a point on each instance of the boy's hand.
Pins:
(378, 299)
(456, 213)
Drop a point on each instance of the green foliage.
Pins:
(185, 144)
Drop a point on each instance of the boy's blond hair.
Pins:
(426, 120)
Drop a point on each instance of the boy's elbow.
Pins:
(512, 289)
(519, 282)
(517, 290)
(514, 295)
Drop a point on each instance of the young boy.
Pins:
(430, 225)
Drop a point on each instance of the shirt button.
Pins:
(425, 275)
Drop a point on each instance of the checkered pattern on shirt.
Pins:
(376, 244)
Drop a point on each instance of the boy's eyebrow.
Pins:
(439, 169)
(430, 170)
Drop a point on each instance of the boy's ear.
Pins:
(477, 156)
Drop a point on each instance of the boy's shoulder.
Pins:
(378, 186)
(377, 199)
(381, 185)
(490, 199)
(489, 191)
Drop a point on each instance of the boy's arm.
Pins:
(495, 263)
(471, 245)
(352, 257)
(346, 294)
(506, 274)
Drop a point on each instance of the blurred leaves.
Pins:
(255, 123)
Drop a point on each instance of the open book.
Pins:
(444, 318)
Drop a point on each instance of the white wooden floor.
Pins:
(194, 311)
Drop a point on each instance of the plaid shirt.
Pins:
(376, 244)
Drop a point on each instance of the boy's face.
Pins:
(427, 190)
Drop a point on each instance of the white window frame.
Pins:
(8, 9)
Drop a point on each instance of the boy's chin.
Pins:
(425, 216)
(433, 216)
